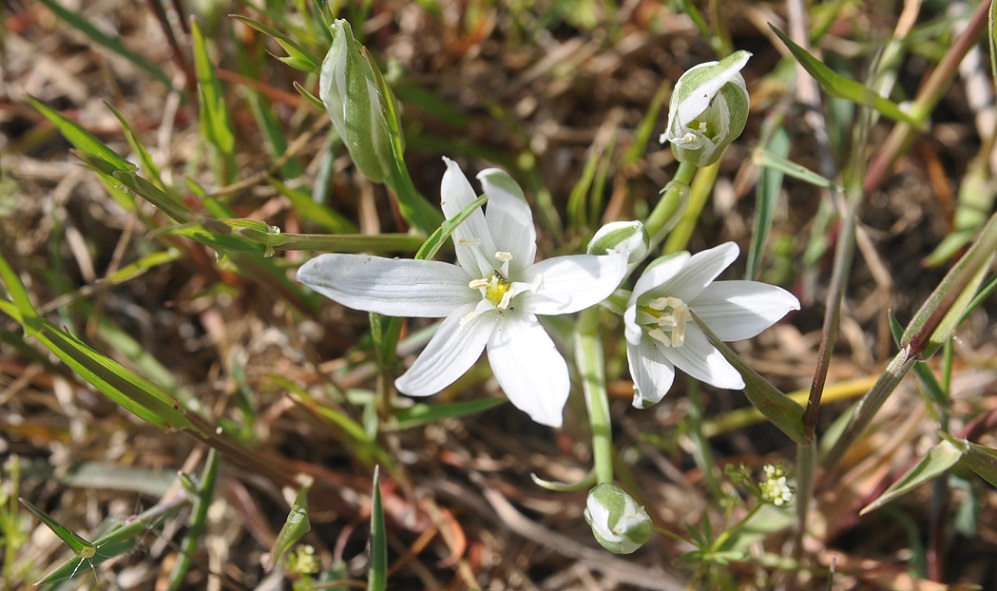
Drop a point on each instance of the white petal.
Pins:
(394, 287)
(707, 87)
(657, 273)
(701, 360)
(651, 372)
(529, 368)
(634, 333)
(698, 272)
(572, 283)
(509, 218)
(456, 195)
(736, 310)
(451, 351)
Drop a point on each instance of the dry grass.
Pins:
(535, 89)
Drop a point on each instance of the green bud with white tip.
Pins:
(618, 523)
(708, 110)
(629, 237)
(359, 103)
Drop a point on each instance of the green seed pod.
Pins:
(618, 523)
(708, 110)
(358, 102)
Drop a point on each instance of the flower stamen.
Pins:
(670, 315)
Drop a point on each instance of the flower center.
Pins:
(667, 319)
(495, 289)
(498, 289)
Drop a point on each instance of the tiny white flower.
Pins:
(489, 300)
(775, 488)
(661, 334)
(708, 110)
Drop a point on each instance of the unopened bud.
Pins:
(352, 89)
(618, 523)
(708, 110)
(628, 237)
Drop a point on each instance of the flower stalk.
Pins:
(591, 365)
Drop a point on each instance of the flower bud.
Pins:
(351, 86)
(708, 110)
(617, 522)
(628, 237)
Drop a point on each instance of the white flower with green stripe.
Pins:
(489, 300)
(708, 110)
(662, 336)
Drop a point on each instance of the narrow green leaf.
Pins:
(198, 521)
(139, 267)
(119, 540)
(300, 58)
(81, 138)
(128, 390)
(76, 543)
(377, 577)
(936, 462)
(837, 85)
(778, 408)
(21, 300)
(577, 209)
(215, 124)
(79, 21)
(439, 237)
(977, 193)
(938, 317)
(148, 164)
(295, 526)
(420, 414)
(778, 162)
(981, 460)
(311, 98)
(585, 483)
(769, 186)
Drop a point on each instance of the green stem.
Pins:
(699, 194)
(729, 532)
(672, 202)
(414, 207)
(591, 364)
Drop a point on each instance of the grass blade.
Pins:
(837, 85)
(295, 526)
(377, 578)
(936, 462)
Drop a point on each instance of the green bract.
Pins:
(618, 523)
(351, 89)
(629, 237)
(708, 110)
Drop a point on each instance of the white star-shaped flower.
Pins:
(489, 300)
(661, 334)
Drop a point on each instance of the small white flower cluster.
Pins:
(775, 490)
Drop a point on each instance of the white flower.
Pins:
(489, 300)
(661, 334)
(708, 110)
